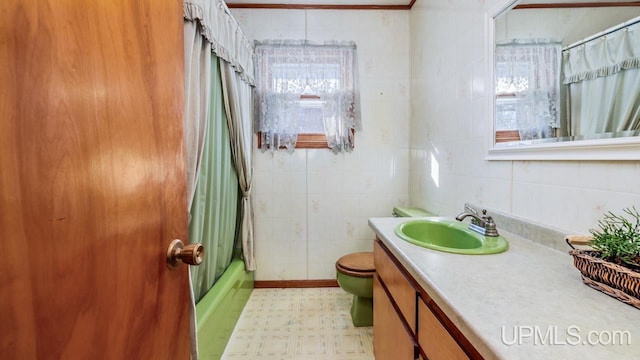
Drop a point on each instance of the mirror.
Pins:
(538, 112)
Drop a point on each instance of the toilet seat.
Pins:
(358, 264)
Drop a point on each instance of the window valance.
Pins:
(219, 27)
(603, 56)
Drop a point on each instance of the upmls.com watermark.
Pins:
(553, 335)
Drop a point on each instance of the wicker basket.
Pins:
(612, 279)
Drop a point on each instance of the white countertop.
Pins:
(501, 301)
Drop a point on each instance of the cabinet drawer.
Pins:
(434, 339)
(399, 286)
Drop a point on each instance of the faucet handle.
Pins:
(468, 208)
(487, 219)
(489, 224)
(473, 211)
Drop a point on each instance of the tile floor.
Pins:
(299, 324)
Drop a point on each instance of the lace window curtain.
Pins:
(603, 78)
(529, 70)
(306, 88)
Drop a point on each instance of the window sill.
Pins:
(305, 141)
(507, 136)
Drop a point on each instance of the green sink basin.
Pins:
(449, 235)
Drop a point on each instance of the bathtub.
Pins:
(219, 310)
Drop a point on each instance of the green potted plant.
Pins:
(618, 239)
(613, 266)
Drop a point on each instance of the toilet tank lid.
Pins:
(410, 212)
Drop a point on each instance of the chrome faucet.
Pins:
(483, 225)
(468, 208)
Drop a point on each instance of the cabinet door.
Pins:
(399, 286)
(434, 339)
(391, 341)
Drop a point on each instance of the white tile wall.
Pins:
(312, 206)
(569, 24)
(422, 74)
(449, 126)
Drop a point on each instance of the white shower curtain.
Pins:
(603, 79)
(211, 29)
(197, 52)
(238, 103)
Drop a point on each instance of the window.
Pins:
(306, 95)
(527, 90)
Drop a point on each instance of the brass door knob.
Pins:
(191, 254)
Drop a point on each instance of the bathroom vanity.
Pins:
(408, 324)
(528, 302)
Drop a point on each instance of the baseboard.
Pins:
(268, 284)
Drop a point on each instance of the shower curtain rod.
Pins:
(603, 33)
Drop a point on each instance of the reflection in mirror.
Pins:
(566, 73)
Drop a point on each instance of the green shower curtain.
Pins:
(215, 203)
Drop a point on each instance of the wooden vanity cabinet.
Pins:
(434, 339)
(407, 324)
(398, 342)
(398, 285)
(394, 309)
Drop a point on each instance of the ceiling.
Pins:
(377, 3)
(326, 2)
(337, 3)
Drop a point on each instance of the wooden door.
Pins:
(92, 180)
